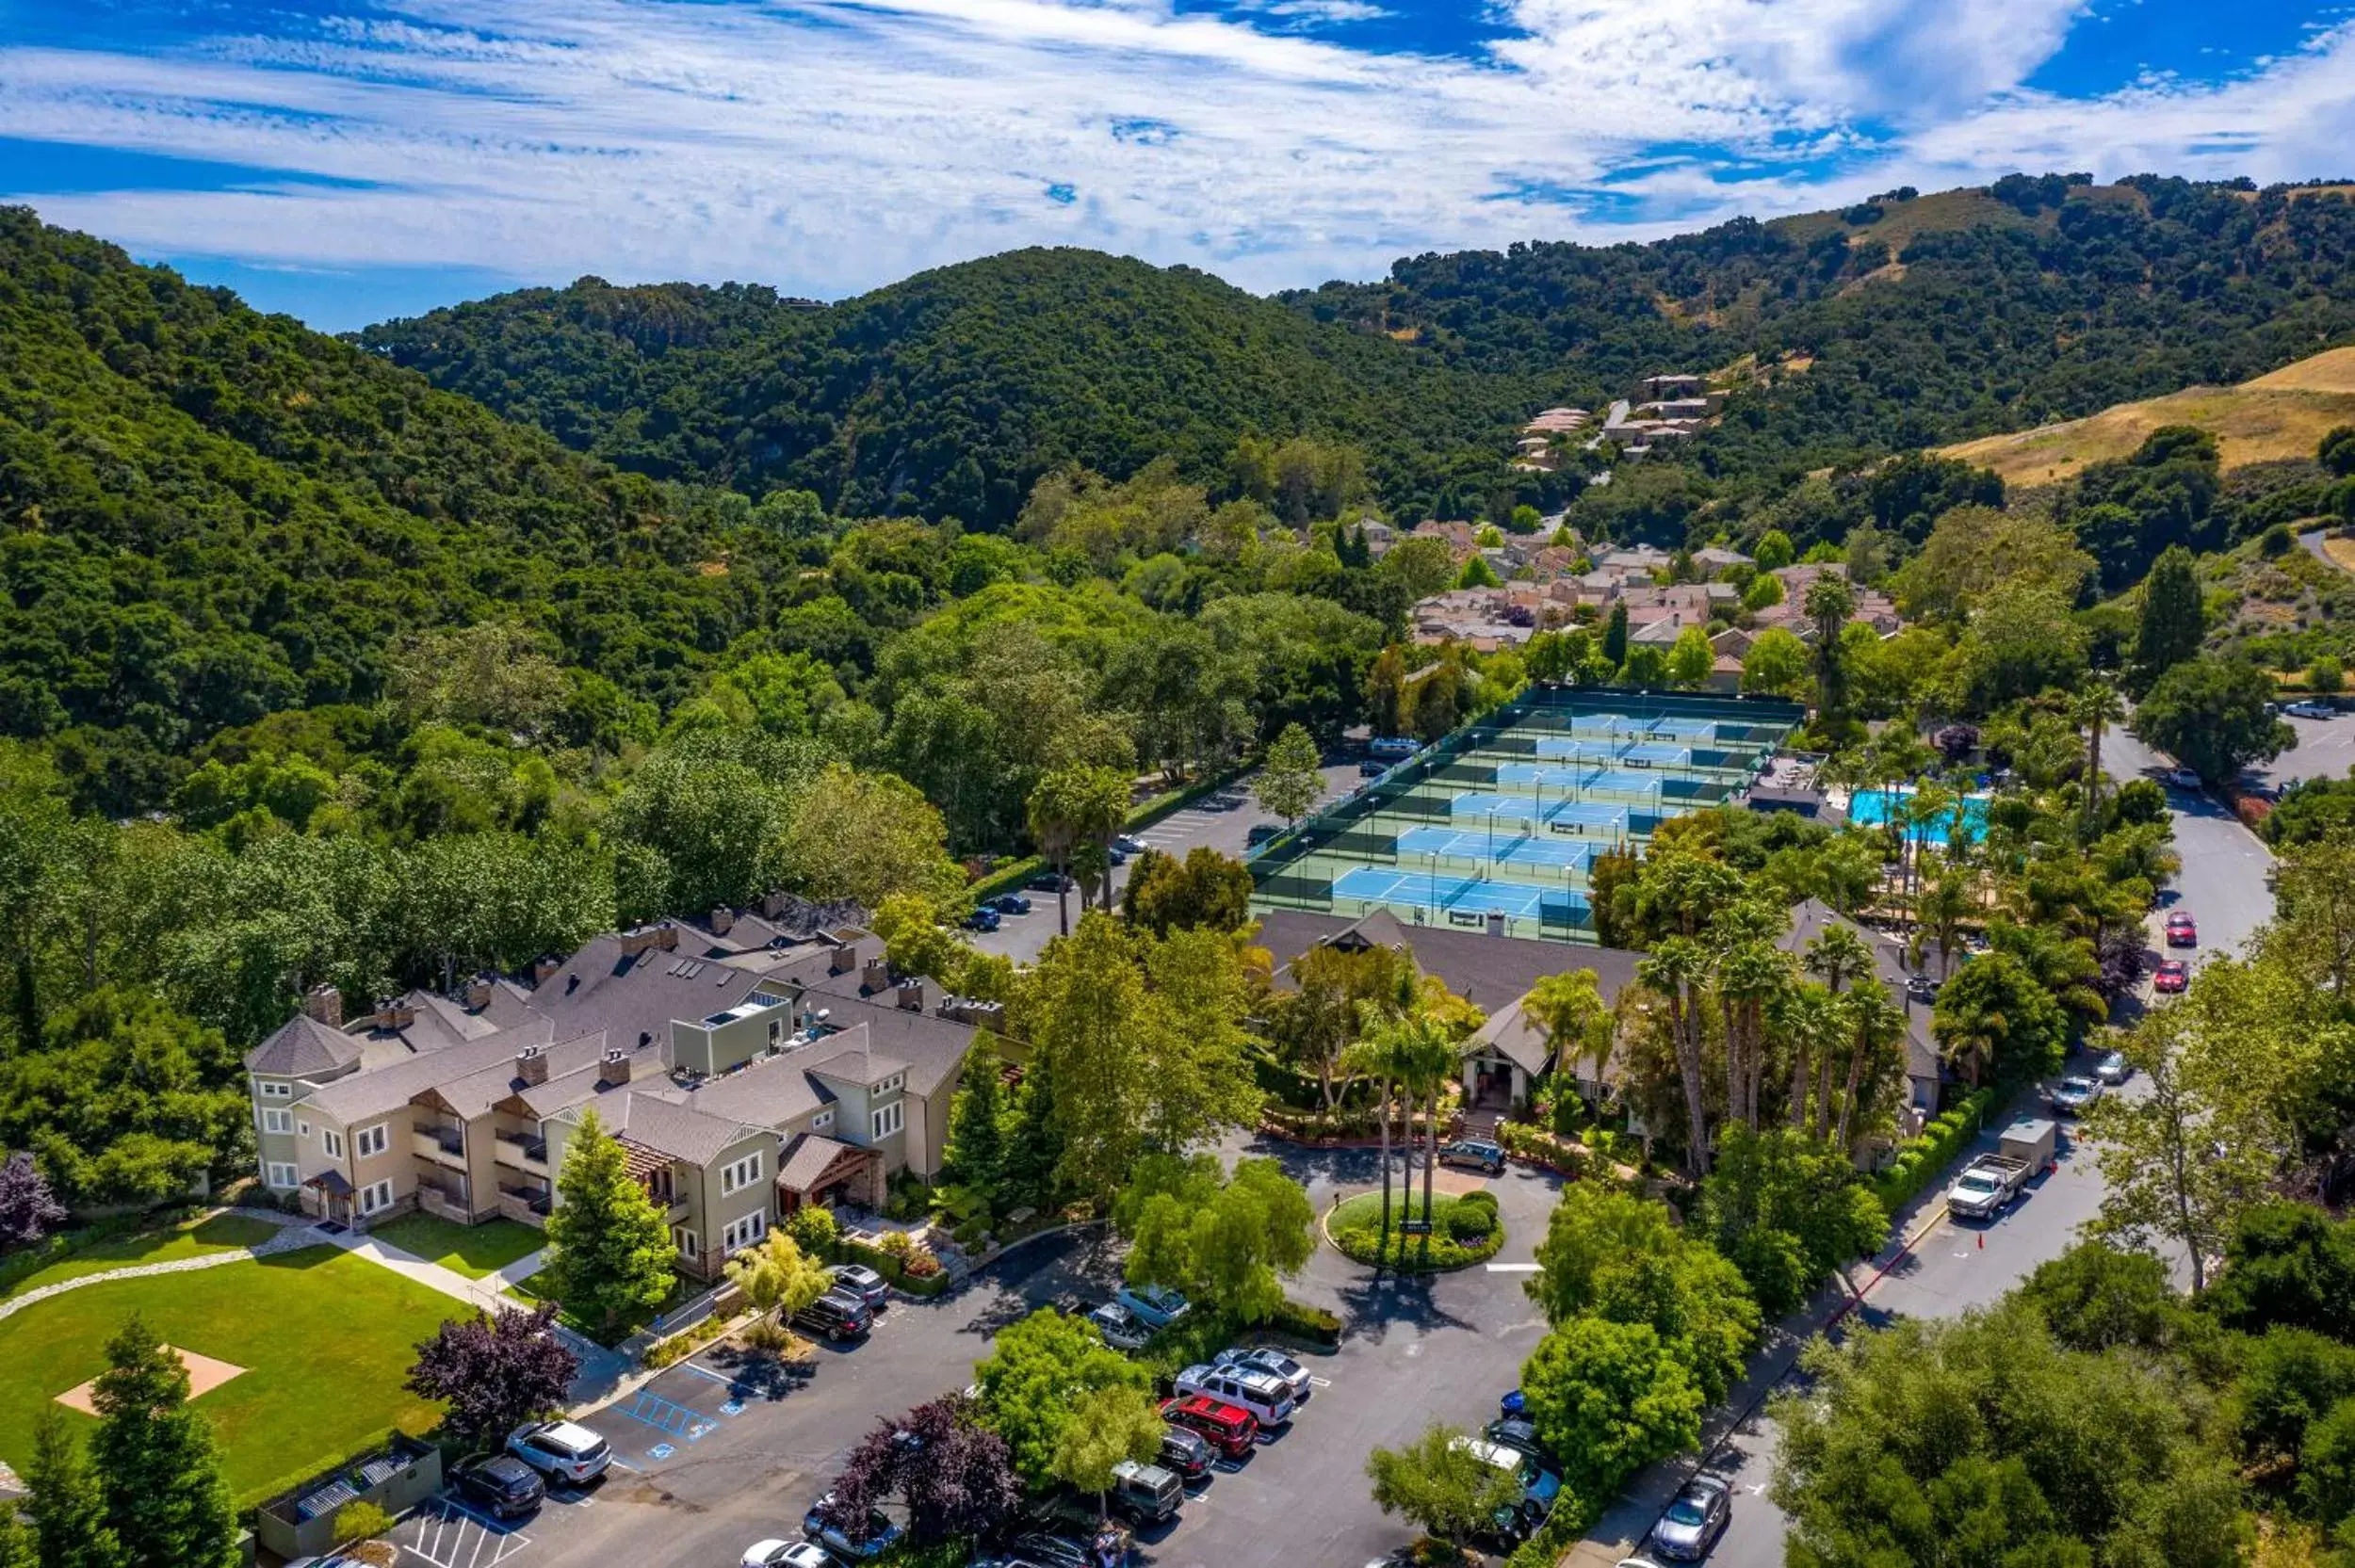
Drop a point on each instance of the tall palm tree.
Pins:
(2096, 708)
(1381, 1055)
(1674, 969)
(1874, 1025)
(1930, 805)
(1809, 1018)
(1838, 957)
(1938, 912)
(1431, 1059)
(1053, 810)
(1577, 1021)
(1751, 978)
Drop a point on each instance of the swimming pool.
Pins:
(1870, 808)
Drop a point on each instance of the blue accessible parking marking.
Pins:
(734, 1407)
(661, 1450)
(669, 1417)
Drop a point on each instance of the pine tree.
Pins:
(1615, 633)
(976, 1142)
(157, 1469)
(609, 1250)
(20, 1546)
(2172, 627)
(65, 1510)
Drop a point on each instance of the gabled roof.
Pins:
(682, 1132)
(1488, 971)
(388, 1088)
(810, 1158)
(303, 1047)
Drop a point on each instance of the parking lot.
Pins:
(1221, 821)
(2325, 750)
(718, 1452)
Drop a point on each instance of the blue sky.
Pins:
(349, 161)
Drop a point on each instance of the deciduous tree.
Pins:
(1439, 1485)
(1032, 1382)
(1609, 1399)
(28, 1211)
(495, 1373)
(778, 1279)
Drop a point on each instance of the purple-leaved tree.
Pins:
(29, 1211)
(954, 1474)
(494, 1374)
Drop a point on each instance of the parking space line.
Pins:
(705, 1372)
(448, 1534)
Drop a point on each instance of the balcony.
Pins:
(522, 1152)
(444, 1145)
(524, 1205)
(445, 1204)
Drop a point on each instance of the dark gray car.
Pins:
(1695, 1521)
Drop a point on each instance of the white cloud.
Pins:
(831, 145)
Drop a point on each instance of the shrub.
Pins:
(1470, 1223)
(813, 1230)
(968, 1235)
(923, 1266)
(1303, 1321)
(360, 1520)
(1479, 1197)
(1357, 1230)
(1921, 1159)
(897, 1246)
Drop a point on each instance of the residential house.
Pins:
(746, 1068)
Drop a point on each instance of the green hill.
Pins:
(213, 514)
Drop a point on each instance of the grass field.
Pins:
(165, 1244)
(326, 1339)
(473, 1251)
(2282, 414)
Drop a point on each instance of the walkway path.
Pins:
(294, 1233)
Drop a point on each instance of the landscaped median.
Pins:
(1463, 1230)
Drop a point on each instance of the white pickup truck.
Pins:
(1987, 1187)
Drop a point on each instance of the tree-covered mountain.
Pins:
(214, 514)
(1901, 322)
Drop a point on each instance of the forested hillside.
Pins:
(1903, 322)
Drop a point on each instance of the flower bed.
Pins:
(1464, 1230)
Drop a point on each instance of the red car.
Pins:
(1230, 1430)
(2181, 929)
(2174, 975)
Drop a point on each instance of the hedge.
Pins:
(1523, 1140)
(1921, 1159)
(894, 1272)
(1358, 1234)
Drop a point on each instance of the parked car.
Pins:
(1229, 1429)
(1051, 881)
(1145, 1492)
(1269, 1398)
(2072, 1094)
(878, 1537)
(1156, 1307)
(837, 1314)
(2173, 975)
(1122, 1329)
(862, 1282)
(1539, 1486)
(500, 1485)
(1695, 1521)
(1519, 1433)
(1479, 1154)
(561, 1450)
(1511, 1404)
(2184, 778)
(1372, 767)
(2114, 1069)
(1987, 1187)
(2181, 929)
(786, 1554)
(1130, 844)
(1116, 856)
(1261, 833)
(1186, 1453)
(1268, 1359)
(1011, 903)
(2309, 708)
(1041, 1550)
(982, 919)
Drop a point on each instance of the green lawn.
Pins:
(326, 1339)
(165, 1244)
(474, 1251)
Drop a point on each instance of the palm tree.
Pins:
(1929, 805)
(1874, 1025)
(2095, 708)
(1577, 1021)
(1674, 969)
(1938, 912)
(1809, 1017)
(1838, 956)
(1382, 1055)
(1429, 1058)
(1752, 977)
(1053, 810)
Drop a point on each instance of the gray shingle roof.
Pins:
(1488, 971)
(770, 1092)
(388, 1088)
(303, 1047)
(682, 1132)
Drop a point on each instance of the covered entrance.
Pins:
(828, 1172)
(326, 1197)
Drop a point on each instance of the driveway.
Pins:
(1221, 821)
(1953, 1267)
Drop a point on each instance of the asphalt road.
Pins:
(1951, 1268)
(1221, 821)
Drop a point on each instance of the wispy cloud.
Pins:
(831, 145)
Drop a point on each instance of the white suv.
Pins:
(1263, 1394)
(561, 1450)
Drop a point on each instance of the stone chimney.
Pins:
(912, 995)
(325, 1003)
(874, 976)
(773, 904)
(478, 992)
(616, 1068)
(666, 936)
(531, 1065)
(543, 969)
(394, 1012)
(843, 958)
(723, 920)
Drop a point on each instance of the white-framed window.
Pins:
(883, 1123)
(741, 1174)
(823, 1120)
(273, 1091)
(738, 1234)
(368, 1140)
(275, 1121)
(278, 1175)
(375, 1197)
(686, 1239)
(333, 1141)
(891, 1083)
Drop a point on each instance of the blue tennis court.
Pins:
(1504, 808)
(1456, 843)
(1571, 817)
(1378, 886)
(1686, 728)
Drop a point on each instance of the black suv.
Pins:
(1187, 1455)
(501, 1485)
(840, 1314)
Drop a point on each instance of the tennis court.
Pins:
(1508, 816)
(1456, 843)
